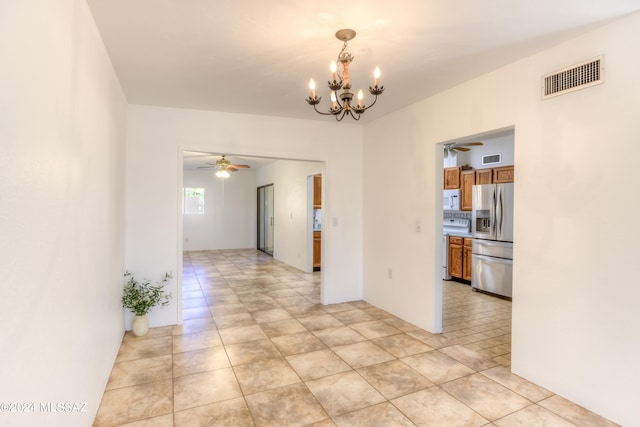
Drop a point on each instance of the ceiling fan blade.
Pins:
(471, 144)
(462, 149)
(230, 169)
(205, 167)
(240, 166)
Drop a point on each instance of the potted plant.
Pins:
(141, 297)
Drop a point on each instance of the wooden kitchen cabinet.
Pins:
(503, 174)
(452, 178)
(499, 175)
(456, 255)
(460, 265)
(467, 181)
(317, 240)
(317, 192)
(484, 176)
(467, 266)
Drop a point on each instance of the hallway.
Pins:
(257, 348)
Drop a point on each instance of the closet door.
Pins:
(265, 219)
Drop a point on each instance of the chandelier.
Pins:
(341, 105)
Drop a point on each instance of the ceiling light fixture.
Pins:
(340, 74)
(223, 174)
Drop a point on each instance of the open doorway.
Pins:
(232, 217)
(476, 316)
(265, 217)
(316, 189)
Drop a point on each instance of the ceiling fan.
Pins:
(454, 146)
(225, 165)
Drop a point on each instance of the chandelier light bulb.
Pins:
(360, 96)
(312, 86)
(334, 70)
(376, 76)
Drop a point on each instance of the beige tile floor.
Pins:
(478, 321)
(257, 348)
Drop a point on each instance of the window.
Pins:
(193, 201)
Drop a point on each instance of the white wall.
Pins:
(502, 144)
(499, 143)
(153, 215)
(62, 129)
(229, 220)
(394, 201)
(291, 217)
(575, 303)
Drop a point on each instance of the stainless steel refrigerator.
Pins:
(492, 228)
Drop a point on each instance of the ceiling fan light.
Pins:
(223, 174)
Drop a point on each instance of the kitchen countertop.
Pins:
(458, 234)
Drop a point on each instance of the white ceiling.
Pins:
(256, 57)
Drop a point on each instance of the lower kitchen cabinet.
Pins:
(467, 268)
(317, 240)
(460, 257)
(456, 255)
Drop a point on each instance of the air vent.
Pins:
(491, 159)
(579, 76)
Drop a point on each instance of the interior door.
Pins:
(265, 218)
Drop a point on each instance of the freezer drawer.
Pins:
(492, 248)
(492, 274)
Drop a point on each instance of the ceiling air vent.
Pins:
(579, 76)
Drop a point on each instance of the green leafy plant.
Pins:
(140, 297)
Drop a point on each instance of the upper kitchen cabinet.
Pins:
(317, 192)
(499, 175)
(503, 174)
(484, 176)
(467, 181)
(479, 164)
(452, 178)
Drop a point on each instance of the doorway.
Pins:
(479, 321)
(265, 218)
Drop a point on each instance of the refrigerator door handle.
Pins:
(499, 208)
(492, 214)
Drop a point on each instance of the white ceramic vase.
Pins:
(140, 325)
